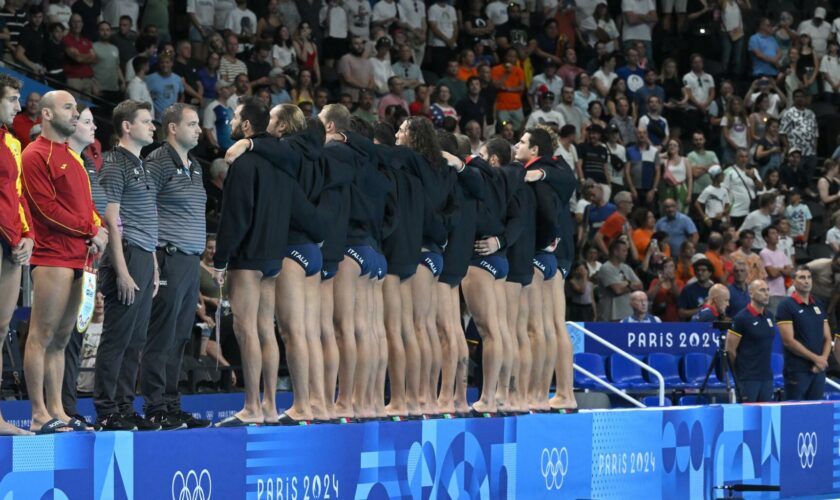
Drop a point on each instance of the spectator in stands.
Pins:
(778, 267)
(828, 185)
(806, 335)
(714, 308)
(569, 70)
(639, 19)
(645, 169)
(742, 183)
(605, 76)
(664, 291)
(768, 150)
(124, 39)
(720, 273)
(412, 19)
(624, 122)
(738, 293)
(745, 254)
(26, 119)
(137, 89)
(677, 176)
(146, 46)
(632, 74)
(794, 175)
(106, 71)
(650, 88)
(799, 129)
(441, 109)
(580, 292)
(655, 124)
(230, 65)
(200, 13)
(408, 71)
(639, 305)
(598, 211)
(677, 225)
(571, 114)
(393, 97)
(593, 160)
(186, 68)
(216, 119)
(218, 172)
(832, 237)
(714, 202)
(765, 51)
(700, 90)
(509, 80)
(443, 39)
(818, 30)
(365, 109)
(241, 88)
(830, 71)
(356, 71)
(824, 274)
(694, 294)
(31, 43)
(749, 343)
(242, 22)
(547, 81)
(80, 58)
(617, 225)
(799, 217)
(165, 87)
(616, 280)
(759, 219)
(259, 65)
(307, 50)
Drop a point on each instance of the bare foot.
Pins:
(7, 429)
(558, 403)
(343, 412)
(393, 410)
(250, 417)
(482, 407)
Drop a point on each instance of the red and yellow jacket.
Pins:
(57, 188)
(15, 220)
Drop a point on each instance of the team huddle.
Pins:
(357, 243)
(360, 241)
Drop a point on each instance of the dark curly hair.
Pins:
(421, 135)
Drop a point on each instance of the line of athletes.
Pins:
(359, 240)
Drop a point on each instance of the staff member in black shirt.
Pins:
(181, 233)
(803, 324)
(749, 344)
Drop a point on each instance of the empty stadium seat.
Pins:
(627, 375)
(593, 363)
(667, 365)
(693, 399)
(777, 364)
(653, 401)
(694, 366)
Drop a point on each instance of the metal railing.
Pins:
(832, 383)
(619, 392)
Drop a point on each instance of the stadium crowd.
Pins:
(701, 134)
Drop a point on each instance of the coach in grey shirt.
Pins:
(616, 281)
(181, 200)
(128, 272)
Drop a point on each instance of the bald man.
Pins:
(69, 233)
(749, 344)
(639, 304)
(715, 306)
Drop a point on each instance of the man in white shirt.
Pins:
(113, 9)
(443, 34)
(547, 81)
(639, 20)
(713, 201)
(701, 91)
(358, 17)
(384, 13)
(412, 19)
(201, 14)
(243, 22)
(545, 115)
(137, 89)
(818, 30)
(742, 183)
(497, 12)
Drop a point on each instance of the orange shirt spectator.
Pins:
(717, 263)
(613, 227)
(664, 300)
(641, 238)
(511, 76)
(465, 72)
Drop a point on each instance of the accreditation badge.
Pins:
(769, 322)
(817, 310)
(88, 301)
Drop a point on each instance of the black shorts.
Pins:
(7, 249)
(77, 273)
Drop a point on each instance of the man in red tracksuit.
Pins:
(58, 192)
(16, 232)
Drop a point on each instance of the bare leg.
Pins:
(9, 291)
(54, 374)
(564, 371)
(316, 348)
(344, 314)
(270, 352)
(463, 359)
(512, 292)
(244, 304)
(550, 344)
(382, 343)
(435, 349)
(52, 287)
(412, 350)
(507, 342)
(536, 334)
(421, 296)
(481, 300)
(448, 347)
(331, 357)
(525, 354)
(365, 356)
(396, 350)
(291, 316)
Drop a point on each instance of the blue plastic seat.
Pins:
(777, 364)
(693, 399)
(832, 396)
(653, 401)
(694, 367)
(666, 364)
(627, 375)
(593, 363)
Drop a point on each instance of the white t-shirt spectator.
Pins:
(543, 117)
(204, 11)
(639, 31)
(384, 10)
(832, 237)
(338, 21)
(570, 156)
(732, 19)
(445, 17)
(112, 10)
(137, 90)
(714, 200)
(757, 221)
(798, 216)
(358, 17)
(737, 131)
(242, 22)
(835, 29)
(61, 13)
(775, 101)
(699, 85)
(819, 35)
(497, 12)
(605, 79)
(589, 26)
(830, 66)
(412, 12)
(618, 157)
(220, 16)
(741, 190)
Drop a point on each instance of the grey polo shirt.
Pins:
(126, 181)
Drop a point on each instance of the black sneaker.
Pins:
(115, 422)
(82, 419)
(166, 421)
(189, 420)
(141, 423)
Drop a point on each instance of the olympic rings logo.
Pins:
(806, 448)
(554, 465)
(192, 485)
